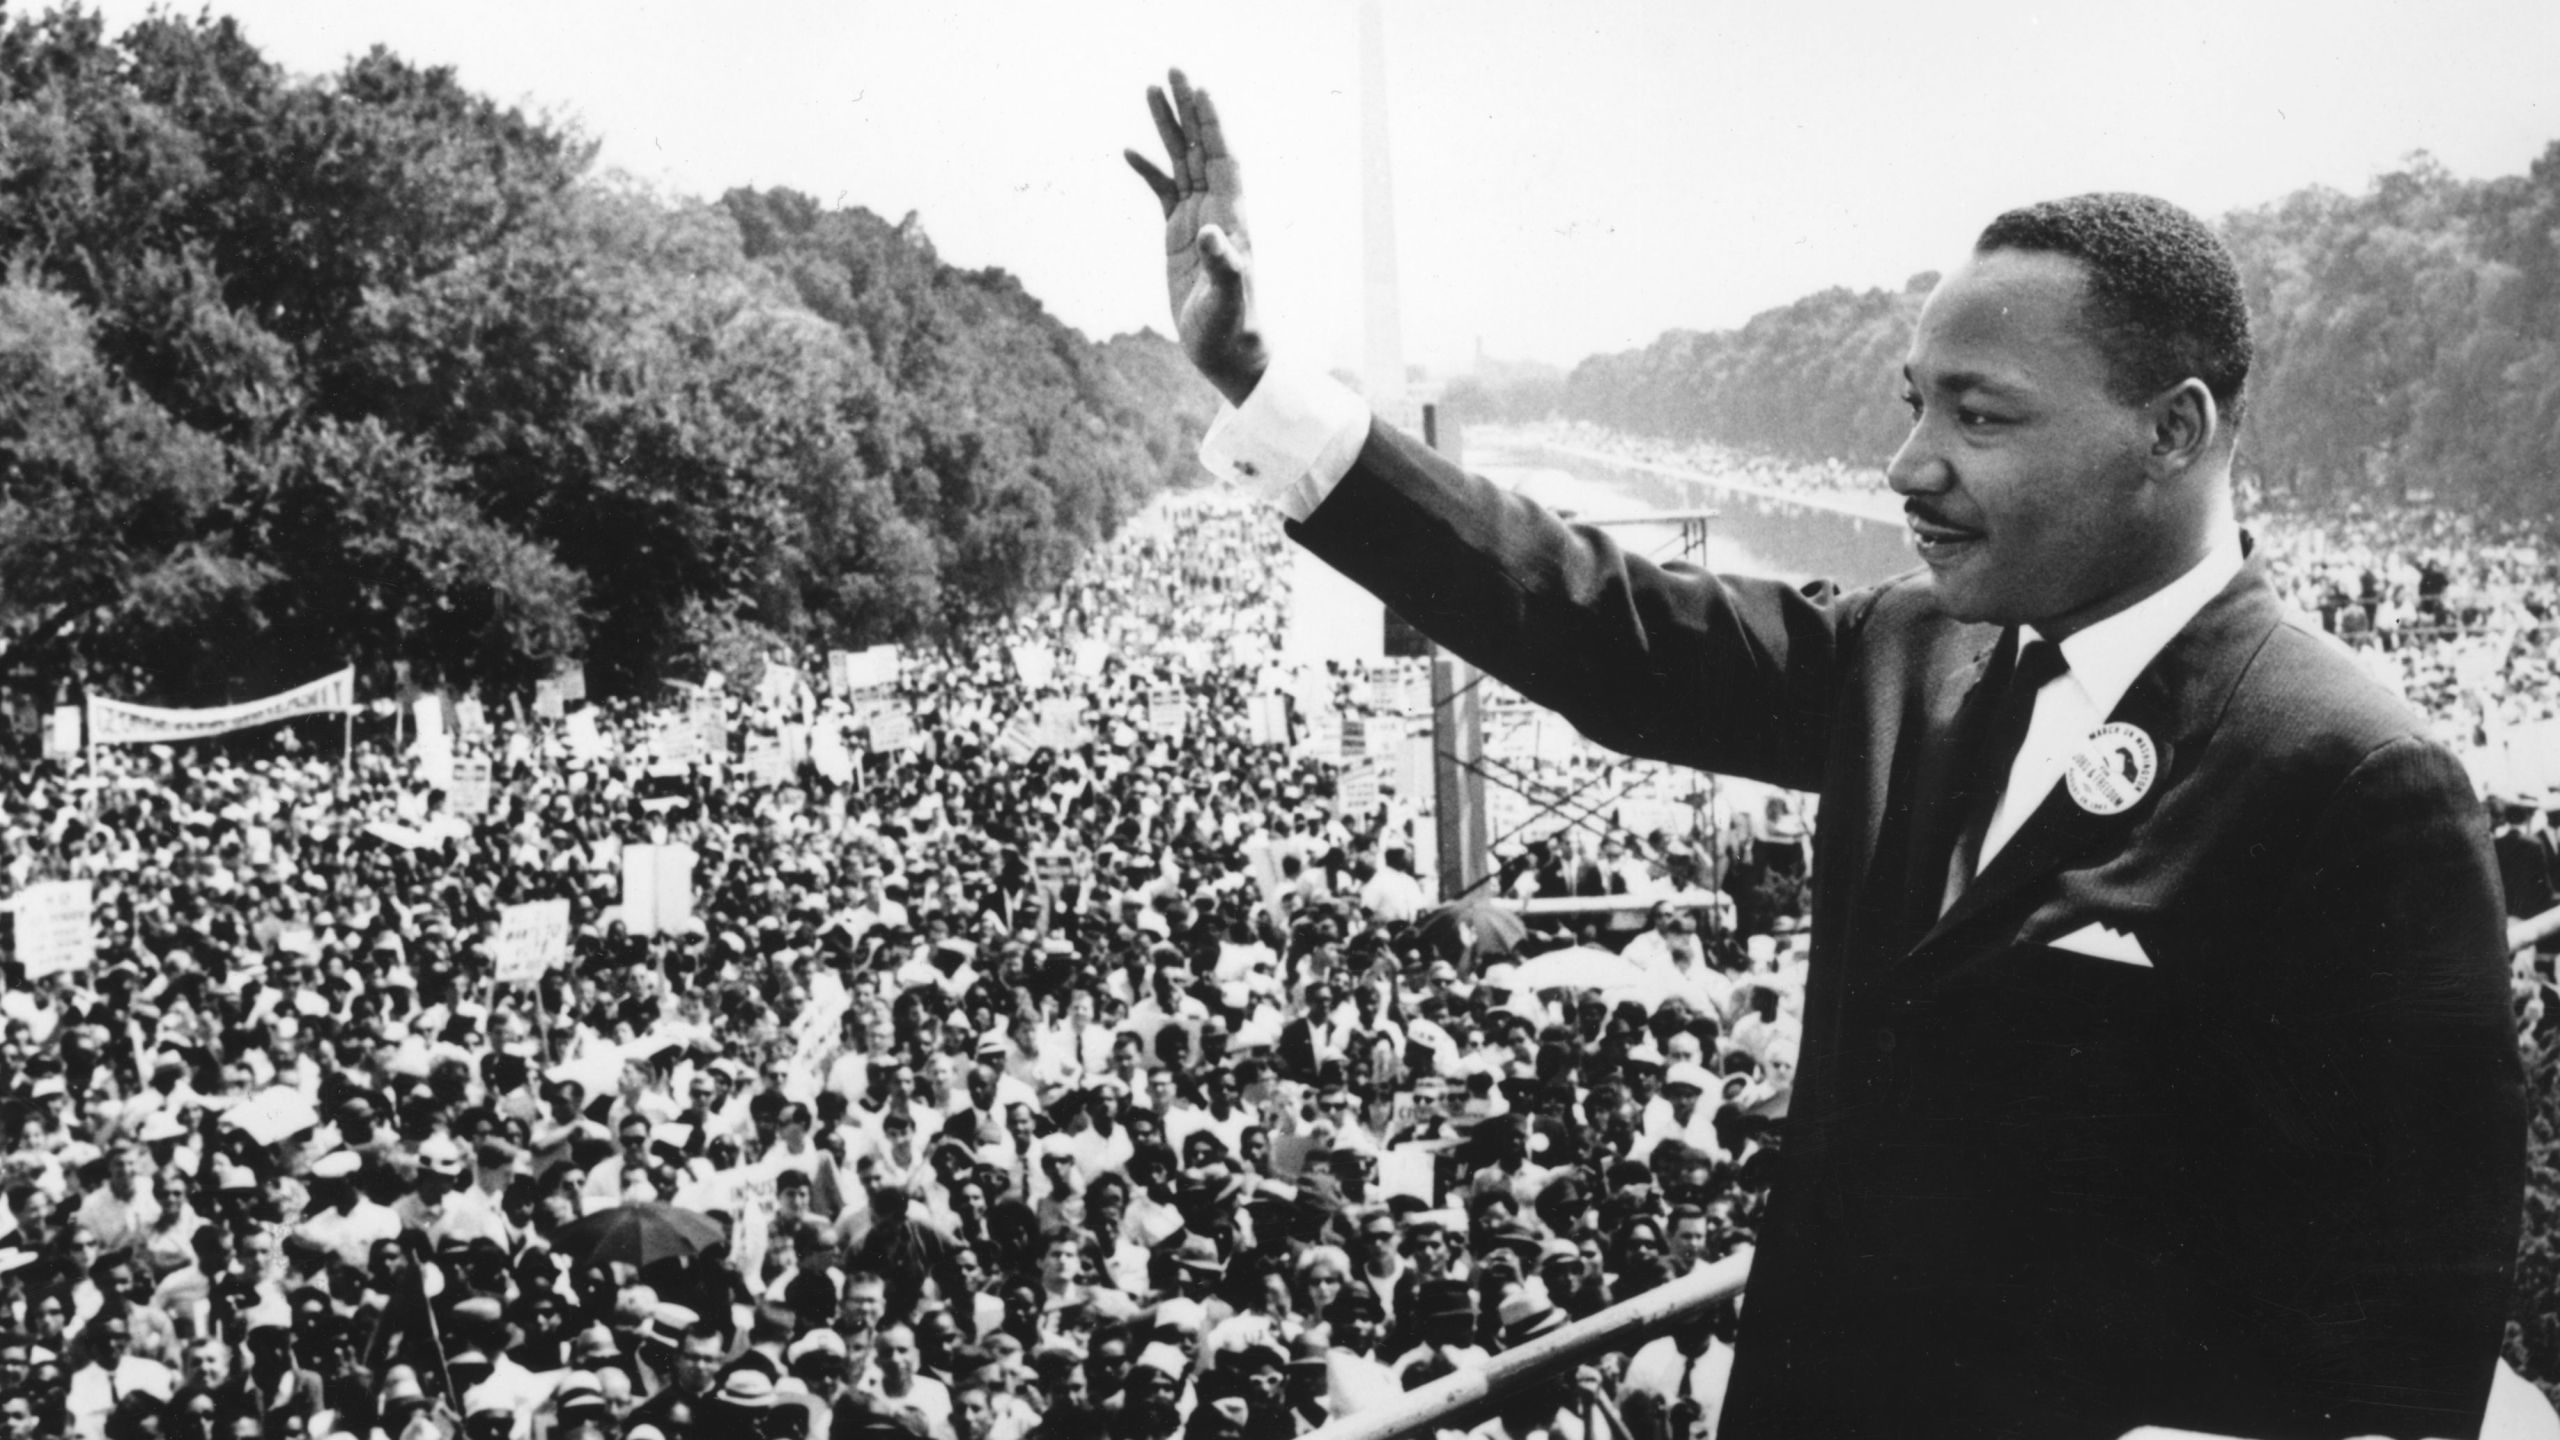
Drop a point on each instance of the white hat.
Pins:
(1690, 1074)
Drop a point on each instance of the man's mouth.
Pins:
(1934, 537)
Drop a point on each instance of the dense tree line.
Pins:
(2409, 348)
(369, 368)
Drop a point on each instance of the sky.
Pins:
(1570, 178)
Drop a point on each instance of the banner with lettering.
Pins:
(115, 722)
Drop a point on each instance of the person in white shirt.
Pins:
(111, 1374)
(1393, 896)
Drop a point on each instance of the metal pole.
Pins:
(1461, 1398)
(1457, 742)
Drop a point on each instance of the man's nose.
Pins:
(1918, 467)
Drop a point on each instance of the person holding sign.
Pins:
(2157, 1062)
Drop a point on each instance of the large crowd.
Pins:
(1051, 1043)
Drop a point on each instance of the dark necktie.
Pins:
(1988, 775)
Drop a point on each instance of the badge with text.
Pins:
(2114, 770)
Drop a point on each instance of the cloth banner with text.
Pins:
(115, 722)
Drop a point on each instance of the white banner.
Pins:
(113, 722)
(531, 939)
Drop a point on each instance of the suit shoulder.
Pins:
(2310, 672)
(2310, 710)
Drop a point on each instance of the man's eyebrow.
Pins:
(1957, 382)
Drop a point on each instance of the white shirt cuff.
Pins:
(1292, 440)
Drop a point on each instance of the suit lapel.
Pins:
(2176, 701)
(1917, 779)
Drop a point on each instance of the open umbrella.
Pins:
(639, 1234)
(1496, 930)
(1582, 967)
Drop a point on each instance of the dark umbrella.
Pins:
(1497, 930)
(639, 1234)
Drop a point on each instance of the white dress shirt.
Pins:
(2105, 659)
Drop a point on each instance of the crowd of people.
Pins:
(1047, 1045)
(1050, 1045)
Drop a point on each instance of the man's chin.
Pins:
(1961, 597)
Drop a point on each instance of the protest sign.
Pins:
(780, 685)
(1322, 738)
(712, 723)
(62, 733)
(1021, 736)
(857, 672)
(586, 742)
(1356, 791)
(549, 701)
(765, 763)
(1404, 1171)
(435, 761)
(677, 740)
(1036, 664)
(57, 930)
(1168, 717)
(573, 683)
(893, 731)
(471, 718)
(657, 887)
(1063, 721)
(531, 939)
(1270, 720)
(828, 755)
(470, 793)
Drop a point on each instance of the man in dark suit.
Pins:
(2157, 1064)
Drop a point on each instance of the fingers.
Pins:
(1186, 109)
(1168, 129)
(1155, 178)
(1205, 128)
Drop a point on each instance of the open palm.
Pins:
(1206, 256)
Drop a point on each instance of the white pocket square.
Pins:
(2101, 942)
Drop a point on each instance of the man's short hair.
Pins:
(2164, 295)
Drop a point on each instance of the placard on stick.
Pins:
(471, 790)
(531, 940)
(57, 931)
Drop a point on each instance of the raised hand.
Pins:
(1207, 259)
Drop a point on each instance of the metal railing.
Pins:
(2532, 930)
(1468, 1396)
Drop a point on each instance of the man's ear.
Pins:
(2185, 424)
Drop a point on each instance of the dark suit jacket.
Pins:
(2266, 1185)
